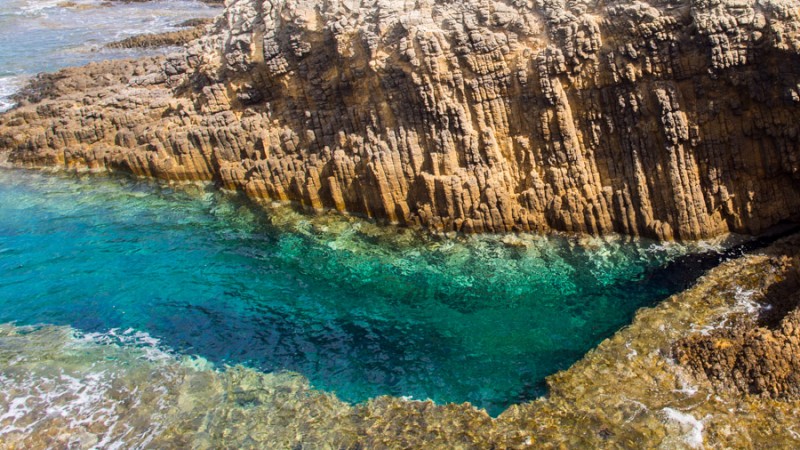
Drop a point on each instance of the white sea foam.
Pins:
(686, 386)
(712, 246)
(641, 408)
(77, 402)
(79, 398)
(8, 87)
(686, 382)
(149, 346)
(632, 353)
(745, 302)
(691, 428)
(17, 408)
(664, 247)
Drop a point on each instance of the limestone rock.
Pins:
(754, 357)
(671, 119)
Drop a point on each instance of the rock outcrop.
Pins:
(191, 29)
(666, 119)
(754, 355)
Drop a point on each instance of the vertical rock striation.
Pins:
(665, 119)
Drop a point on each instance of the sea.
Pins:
(113, 288)
(46, 35)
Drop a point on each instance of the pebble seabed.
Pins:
(60, 387)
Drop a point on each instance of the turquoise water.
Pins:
(359, 309)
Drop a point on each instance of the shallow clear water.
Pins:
(41, 36)
(359, 309)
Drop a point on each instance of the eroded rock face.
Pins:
(754, 355)
(666, 119)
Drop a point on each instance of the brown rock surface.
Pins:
(754, 355)
(192, 29)
(666, 119)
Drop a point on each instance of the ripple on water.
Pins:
(62, 388)
(359, 309)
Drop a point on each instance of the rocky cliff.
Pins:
(672, 119)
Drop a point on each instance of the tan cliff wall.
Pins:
(666, 119)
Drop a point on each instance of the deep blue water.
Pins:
(359, 309)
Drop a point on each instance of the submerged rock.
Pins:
(63, 388)
(636, 389)
(672, 120)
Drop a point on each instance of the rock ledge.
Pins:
(676, 120)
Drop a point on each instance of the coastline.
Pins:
(288, 116)
(646, 385)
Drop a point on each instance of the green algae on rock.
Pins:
(628, 392)
(360, 309)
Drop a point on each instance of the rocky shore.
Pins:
(670, 120)
(191, 29)
(663, 119)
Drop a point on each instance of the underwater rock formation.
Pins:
(666, 119)
(627, 393)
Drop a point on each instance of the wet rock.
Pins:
(754, 355)
(195, 28)
(627, 393)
